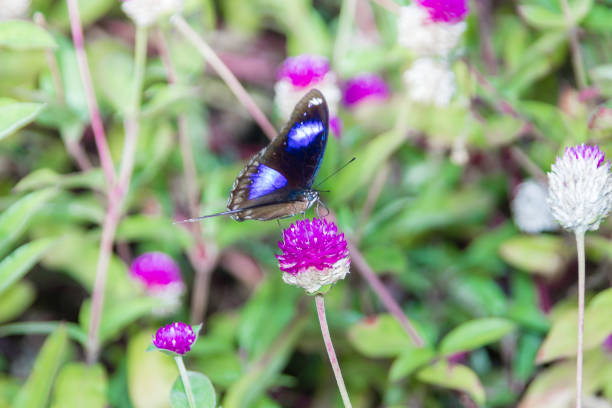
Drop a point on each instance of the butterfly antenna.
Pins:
(230, 212)
(336, 172)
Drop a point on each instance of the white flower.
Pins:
(10, 9)
(580, 188)
(313, 279)
(430, 82)
(530, 210)
(146, 12)
(417, 32)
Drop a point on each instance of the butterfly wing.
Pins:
(277, 181)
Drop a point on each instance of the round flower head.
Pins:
(445, 11)
(161, 277)
(313, 255)
(364, 87)
(430, 82)
(300, 74)
(176, 337)
(430, 31)
(580, 188)
(146, 12)
(530, 209)
(10, 9)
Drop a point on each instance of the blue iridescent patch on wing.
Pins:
(265, 181)
(303, 134)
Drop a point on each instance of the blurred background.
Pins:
(454, 111)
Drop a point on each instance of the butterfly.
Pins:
(277, 181)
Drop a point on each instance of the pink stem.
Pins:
(384, 295)
(94, 112)
(329, 346)
(224, 72)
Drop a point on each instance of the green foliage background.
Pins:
(440, 235)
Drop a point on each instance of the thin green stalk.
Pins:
(185, 379)
(572, 34)
(330, 350)
(581, 285)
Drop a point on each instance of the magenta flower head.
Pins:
(177, 337)
(580, 188)
(314, 255)
(607, 344)
(298, 75)
(364, 87)
(161, 277)
(304, 70)
(445, 11)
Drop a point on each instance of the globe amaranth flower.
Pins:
(430, 82)
(300, 74)
(432, 27)
(146, 12)
(363, 88)
(161, 277)
(10, 9)
(580, 188)
(177, 337)
(314, 255)
(530, 209)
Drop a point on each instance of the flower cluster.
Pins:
(146, 12)
(530, 210)
(580, 188)
(363, 88)
(300, 74)
(431, 29)
(177, 337)
(314, 255)
(161, 277)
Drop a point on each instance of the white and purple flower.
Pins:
(364, 88)
(530, 210)
(580, 188)
(432, 27)
(300, 74)
(314, 255)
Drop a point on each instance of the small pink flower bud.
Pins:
(176, 337)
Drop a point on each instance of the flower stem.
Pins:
(185, 379)
(224, 72)
(94, 112)
(581, 285)
(577, 62)
(384, 295)
(330, 350)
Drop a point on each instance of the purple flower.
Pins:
(586, 152)
(607, 344)
(314, 254)
(176, 337)
(364, 87)
(335, 124)
(304, 70)
(156, 271)
(446, 11)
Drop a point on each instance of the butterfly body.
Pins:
(277, 181)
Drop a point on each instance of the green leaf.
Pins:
(158, 229)
(475, 334)
(37, 328)
(45, 177)
(562, 341)
(16, 115)
(203, 392)
(380, 336)
(598, 19)
(369, 158)
(36, 390)
(409, 361)
(545, 18)
(24, 35)
(150, 375)
(456, 377)
(16, 219)
(79, 385)
(15, 300)
(19, 262)
(538, 254)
